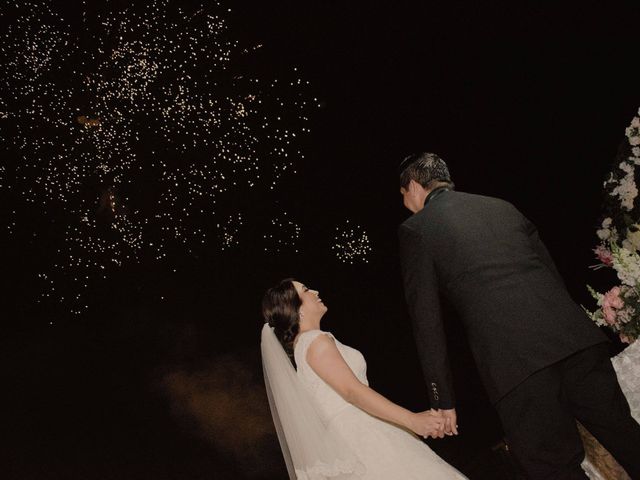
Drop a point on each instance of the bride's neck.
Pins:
(310, 325)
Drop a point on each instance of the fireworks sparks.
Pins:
(136, 126)
(229, 231)
(283, 235)
(351, 244)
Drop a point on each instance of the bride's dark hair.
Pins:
(280, 307)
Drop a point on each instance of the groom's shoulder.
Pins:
(452, 206)
(462, 198)
(417, 224)
(456, 195)
(414, 222)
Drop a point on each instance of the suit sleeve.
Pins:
(541, 249)
(423, 301)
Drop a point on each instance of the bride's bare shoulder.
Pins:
(320, 344)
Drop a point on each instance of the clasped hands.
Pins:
(435, 423)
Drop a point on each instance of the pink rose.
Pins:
(610, 303)
(609, 314)
(612, 298)
(604, 255)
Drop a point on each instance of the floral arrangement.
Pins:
(619, 248)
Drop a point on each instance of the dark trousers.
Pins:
(539, 417)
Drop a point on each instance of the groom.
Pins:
(543, 363)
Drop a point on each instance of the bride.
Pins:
(330, 424)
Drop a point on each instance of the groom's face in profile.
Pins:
(405, 193)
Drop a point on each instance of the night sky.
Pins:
(160, 376)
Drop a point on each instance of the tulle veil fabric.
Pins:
(310, 451)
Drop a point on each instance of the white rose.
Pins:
(634, 140)
(603, 233)
(636, 151)
(606, 223)
(634, 240)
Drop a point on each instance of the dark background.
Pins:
(161, 378)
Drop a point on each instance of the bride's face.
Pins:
(311, 303)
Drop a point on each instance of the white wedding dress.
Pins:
(386, 451)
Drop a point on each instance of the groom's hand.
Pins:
(450, 421)
(429, 423)
(439, 431)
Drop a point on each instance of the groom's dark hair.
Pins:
(428, 169)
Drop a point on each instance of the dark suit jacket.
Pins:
(486, 258)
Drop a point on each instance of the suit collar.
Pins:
(436, 192)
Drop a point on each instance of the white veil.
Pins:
(310, 452)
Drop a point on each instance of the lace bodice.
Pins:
(327, 401)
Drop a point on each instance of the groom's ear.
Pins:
(414, 186)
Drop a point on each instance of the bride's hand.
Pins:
(429, 423)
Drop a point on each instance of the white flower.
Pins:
(627, 191)
(626, 314)
(634, 237)
(636, 151)
(603, 233)
(632, 242)
(633, 131)
(614, 236)
(626, 167)
(627, 265)
(597, 318)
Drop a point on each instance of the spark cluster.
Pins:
(230, 231)
(351, 244)
(282, 235)
(136, 126)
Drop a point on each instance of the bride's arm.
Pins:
(325, 359)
